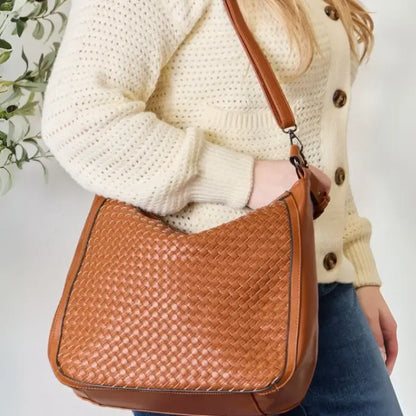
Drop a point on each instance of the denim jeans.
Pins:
(351, 378)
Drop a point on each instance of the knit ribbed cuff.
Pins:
(361, 256)
(224, 176)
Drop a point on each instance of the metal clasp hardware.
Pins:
(293, 136)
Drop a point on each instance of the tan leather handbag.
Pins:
(218, 322)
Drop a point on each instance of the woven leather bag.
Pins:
(218, 322)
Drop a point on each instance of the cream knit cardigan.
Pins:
(155, 103)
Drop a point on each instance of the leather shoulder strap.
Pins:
(268, 81)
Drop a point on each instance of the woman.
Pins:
(155, 103)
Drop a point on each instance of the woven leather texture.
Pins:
(154, 307)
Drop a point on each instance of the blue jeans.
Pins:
(351, 378)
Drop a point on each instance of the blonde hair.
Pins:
(357, 22)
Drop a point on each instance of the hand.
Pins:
(273, 177)
(381, 321)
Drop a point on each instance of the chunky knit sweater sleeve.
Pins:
(357, 248)
(94, 116)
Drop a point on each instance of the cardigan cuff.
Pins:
(224, 176)
(362, 258)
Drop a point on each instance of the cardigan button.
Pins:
(332, 12)
(339, 98)
(339, 176)
(330, 260)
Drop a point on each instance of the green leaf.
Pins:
(4, 56)
(20, 27)
(31, 140)
(4, 44)
(30, 85)
(7, 6)
(44, 7)
(64, 20)
(24, 57)
(38, 31)
(49, 59)
(52, 31)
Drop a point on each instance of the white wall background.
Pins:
(40, 225)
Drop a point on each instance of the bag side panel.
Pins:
(289, 395)
(56, 327)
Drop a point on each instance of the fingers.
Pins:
(389, 329)
(382, 323)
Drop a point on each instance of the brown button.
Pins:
(330, 260)
(332, 12)
(339, 98)
(339, 176)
